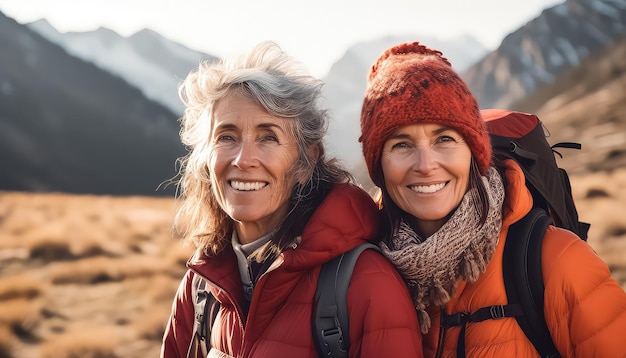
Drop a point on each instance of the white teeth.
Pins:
(247, 186)
(428, 188)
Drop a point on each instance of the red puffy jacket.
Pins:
(383, 322)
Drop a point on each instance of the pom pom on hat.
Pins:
(411, 83)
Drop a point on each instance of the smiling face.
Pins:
(426, 171)
(251, 154)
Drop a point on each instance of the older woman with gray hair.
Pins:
(265, 208)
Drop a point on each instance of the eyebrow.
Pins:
(271, 125)
(268, 125)
(442, 129)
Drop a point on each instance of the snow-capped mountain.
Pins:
(156, 66)
(531, 57)
(68, 125)
(558, 39)
(146, 59)
(535, 55)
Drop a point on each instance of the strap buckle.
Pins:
(456, 319)
(497, 312)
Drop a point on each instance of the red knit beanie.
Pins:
(411, 83)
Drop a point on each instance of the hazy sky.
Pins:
(316, 32)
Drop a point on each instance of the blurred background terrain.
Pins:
(89, 262)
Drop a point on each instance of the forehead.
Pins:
(240, 112)
(429, 128)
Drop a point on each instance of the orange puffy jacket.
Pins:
(585, 308)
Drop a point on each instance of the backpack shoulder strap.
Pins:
(205, 311)
(523, 277)
(330, 322)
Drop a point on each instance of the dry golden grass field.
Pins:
(86, 276)
(94, 276)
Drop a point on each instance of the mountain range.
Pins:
(347, 79)
(561, 38)
(95, 112)
(67, 125)
(146, 59)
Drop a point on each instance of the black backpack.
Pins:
(520, 136)
(330, 312)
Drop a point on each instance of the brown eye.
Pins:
(225, 138)
(270, 138)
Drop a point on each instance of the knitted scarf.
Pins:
(459, 249)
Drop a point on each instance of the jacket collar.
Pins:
(346, 218)
(518, 201)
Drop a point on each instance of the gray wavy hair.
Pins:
(284, 88)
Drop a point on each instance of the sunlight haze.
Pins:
(315, 32)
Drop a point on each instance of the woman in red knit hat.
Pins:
(446, 212)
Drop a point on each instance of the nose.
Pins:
(425, 160)
(246, 156)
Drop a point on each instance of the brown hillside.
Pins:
(587, 105)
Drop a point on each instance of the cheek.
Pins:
(393, 175)
(215, 167)
(216, 159)
(460, 165)
(393, 170)
(462, 170)
(290, 178)
(284, 164)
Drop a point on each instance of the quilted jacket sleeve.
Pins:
(180, 325)
(584, 307)
(383, 321)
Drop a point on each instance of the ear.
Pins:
(314, 153)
